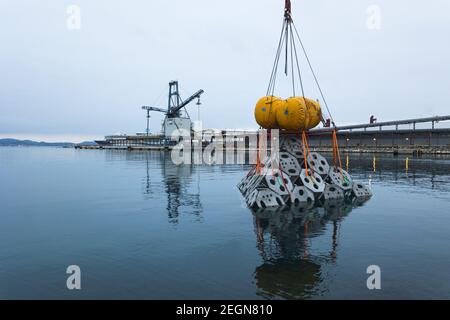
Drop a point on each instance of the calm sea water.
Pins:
(140, 227)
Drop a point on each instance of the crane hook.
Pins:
(287, 10)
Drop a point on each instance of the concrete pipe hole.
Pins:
(306, 180)
(315, 156)
(321, 169)
(301, 192)
(282, 188)
(272, 181)
(315, 186)
(323, 162)
(292, 171)
(332, 189)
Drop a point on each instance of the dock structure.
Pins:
(138, 141)
(389, 136)
(411, 136)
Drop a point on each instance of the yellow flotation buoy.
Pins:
(266, 111)
(293, 115)
(314, 113)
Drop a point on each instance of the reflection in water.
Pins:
(407, 165)
(423, 172)
(181, 183)
(292, 267)
(177, 184)
(296, 245)
(283, 236)
(110, 209)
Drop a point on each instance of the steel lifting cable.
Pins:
(290, 48)
(336, 152)
(292, 64)
(284, 37)
(287, 30)
(287, 49)
(271, 86)
(298, 66)
(274, 79)
(273, 76)
(314, 74)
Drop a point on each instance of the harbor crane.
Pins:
(174, 119)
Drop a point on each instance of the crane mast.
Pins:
(173, 118)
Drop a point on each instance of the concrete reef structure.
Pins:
(290, 180)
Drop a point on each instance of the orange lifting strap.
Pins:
(305, 151)
(258, 157)
(336, 154)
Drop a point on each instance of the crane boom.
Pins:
(174, 110)
(154, 109)
(174, 119)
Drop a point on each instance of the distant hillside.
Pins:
(87, 143)
(31, 143)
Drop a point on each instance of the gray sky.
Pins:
(62, 84)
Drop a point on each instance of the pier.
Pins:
(389, 137)
(411, 136)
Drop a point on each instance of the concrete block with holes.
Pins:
(292, 181)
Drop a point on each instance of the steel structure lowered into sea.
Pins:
(295, 176)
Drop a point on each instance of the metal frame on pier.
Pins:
(380, 125)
